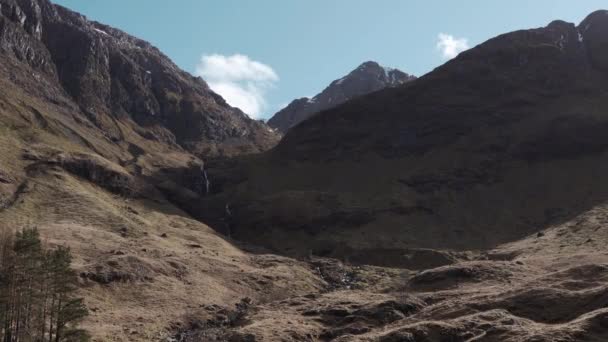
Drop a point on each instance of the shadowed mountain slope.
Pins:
(494, 145)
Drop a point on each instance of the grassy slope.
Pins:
(169, 277)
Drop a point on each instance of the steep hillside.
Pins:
(367, 78)
(112, 80)
(94, 126)
(486, 149)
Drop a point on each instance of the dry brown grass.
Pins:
(98, 225)
(173, 264)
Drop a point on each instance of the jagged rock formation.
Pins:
(114, 79)
(367, 78)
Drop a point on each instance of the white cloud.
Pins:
(449, 46)
(240, 80)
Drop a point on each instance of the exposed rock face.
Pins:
(504, 140)
(117, 79)
(367, 78)
(92, 122)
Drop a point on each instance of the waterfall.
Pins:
(228, 220)
(207, 181)
(228, 212)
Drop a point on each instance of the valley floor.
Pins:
(549, 287)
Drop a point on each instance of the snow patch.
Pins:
(387, 70)
(560, 42)
(580, 38)
(100, 31)
(390, 76)
(312, 100)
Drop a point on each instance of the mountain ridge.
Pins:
(111, 76)
(432, 152)
(366, 78)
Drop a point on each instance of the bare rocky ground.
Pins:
(548, 287)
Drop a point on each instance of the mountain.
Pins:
(367, 78)
(480, 183)
(97, 130)
(502, 140)
(485, 176)
(117, 80)
(467, 205)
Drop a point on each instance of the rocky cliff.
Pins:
(113, 78)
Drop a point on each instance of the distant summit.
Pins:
(367, 78)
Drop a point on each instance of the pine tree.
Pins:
(28, 252)
(7, 261)
(66, 311)
(37, 291)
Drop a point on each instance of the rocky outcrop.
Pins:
(116, 80)
(367, 78)
(92, 168)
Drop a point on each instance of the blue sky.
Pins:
(262, 54)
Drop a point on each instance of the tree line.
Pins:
(37, 291)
